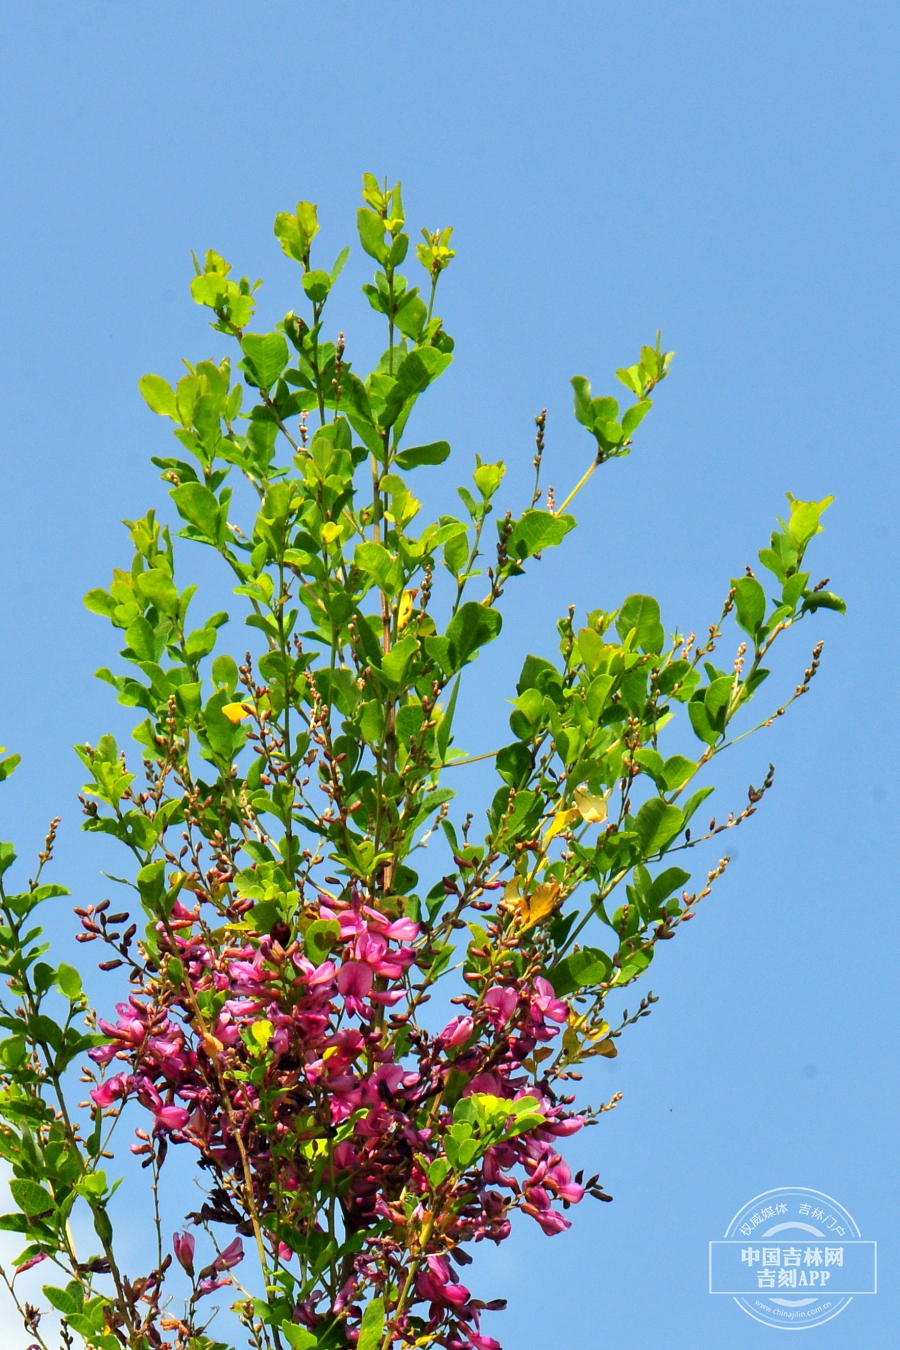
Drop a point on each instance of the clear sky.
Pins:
(725, 172)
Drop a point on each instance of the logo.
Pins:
(793, 1258)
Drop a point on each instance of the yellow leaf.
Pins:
(532, 908)
(404, 613)
(261, 1032)
(236, 712)
(591, 807)
(607, 1049)
(561, 821)
(571, 1041)
(542, 902)
(330, 531)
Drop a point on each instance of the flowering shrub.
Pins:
(283, 949)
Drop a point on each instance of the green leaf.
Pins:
(717, 698)
(339, 264)
(604, 410)
(210, 289)
(589, 966)
(750, 604)
(371, 1328)
(14, 1223)
(677, 771)
(151, 882)
(634, 416)
(473, 626)
(533, 669)
(198, 506)
(633, 965)
(641, 612)
(435, 453)
(804, 520)
(159, 396)
(371, 235)
(630, 378)
(69, 981)
(537, 530)
(225, 672)
(31, 1198)
(371, 722)
(142, 640)
(9, 765)
(456, 553)
(156, 586)
(320, 937)
(103, 1225)
(657, 823)
(395, 662)
(695, 800)
(297, 1337)
(378, 563)
(68, 1301)
(582, 390)
(770, 560)
(268, 354)
(414, 374)
(45, 1030)
(225, 738)
(411, 315)
(824, 600)
(487, 478)
(700, 721)
(651, 761)
(297, 232)
(513, 763)
(316, 285)
(672, 879)
(100, 602)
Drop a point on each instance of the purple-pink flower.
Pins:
(183, 1244)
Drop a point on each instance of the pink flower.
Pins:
(563, 1128)
(402, 930)
(560, 1178)
(546, 1004)
(183, 1243)
(370, 947)
(112, 1089)
(457, 1032)
(550, 1220)
(489, 1083)
(209, 1285)
(170, 1118)
(388, 998)
(35, 1261)
(345, 1295)
(322, 975)
(231, 1256)
(345, 1155)
(354, 981)
(435, 1285)
(500, 1003)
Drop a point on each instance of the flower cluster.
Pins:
(259, 1053)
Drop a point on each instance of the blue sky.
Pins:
(724, 172)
